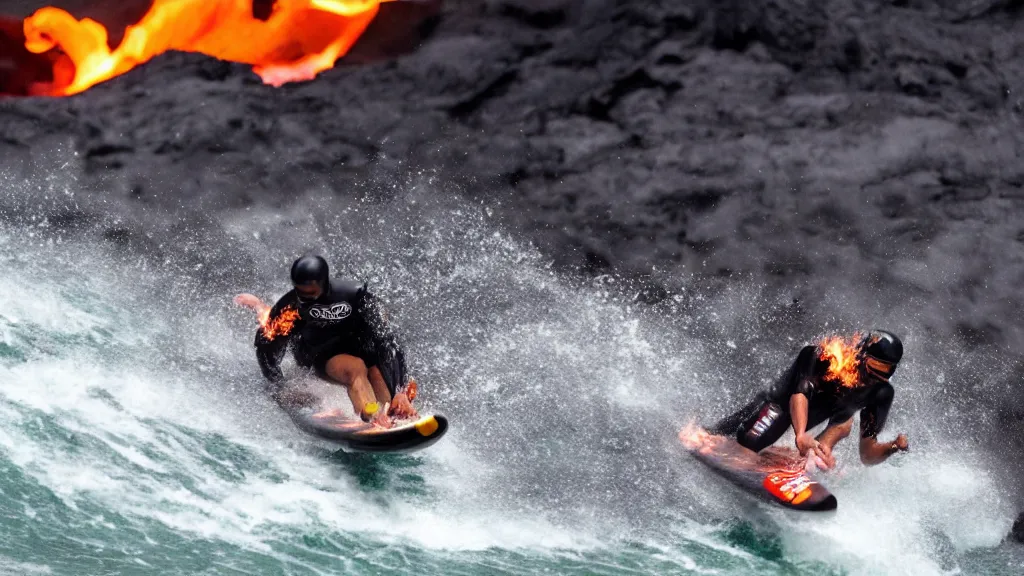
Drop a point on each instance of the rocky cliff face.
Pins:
(860, 161)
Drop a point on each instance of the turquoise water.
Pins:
(134, 439)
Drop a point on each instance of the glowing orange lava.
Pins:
(841, 354)
(279, 326)
(300, 39)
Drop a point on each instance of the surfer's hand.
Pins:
(806, 443)
(824, 454)
(401, 407)
(902, 443)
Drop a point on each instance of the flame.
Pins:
(280, 326)
(300, 39)
(841, 354)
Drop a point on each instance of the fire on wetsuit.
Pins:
(763, 421)
(344, 319)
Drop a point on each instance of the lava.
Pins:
(299, 39)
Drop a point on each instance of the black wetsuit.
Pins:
(762, 422)
(345, 319)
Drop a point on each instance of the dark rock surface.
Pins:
(856, 155)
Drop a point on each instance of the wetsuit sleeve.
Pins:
(385, 343)
(874, 414)
(271, 345)
(804, 374)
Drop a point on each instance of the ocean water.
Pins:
(135, 437)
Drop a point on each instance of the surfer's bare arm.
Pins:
(253, 302)
(800, 398)
(798, 413)
(872, 420)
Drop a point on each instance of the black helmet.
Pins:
(881, 351)
(311, 269)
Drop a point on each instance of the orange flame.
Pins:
(280, 326)
(841, 354)
(300, 39)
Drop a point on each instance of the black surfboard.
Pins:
(775, 474)
(358, 436)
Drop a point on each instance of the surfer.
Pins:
(831, 381)
(338, 329)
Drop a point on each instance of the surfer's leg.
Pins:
(730, 425)
(835, 431)
(764, 427)
(350, 371)
(380, 387)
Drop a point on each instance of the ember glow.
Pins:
(279, 326)
(841, 354)
(300, 39)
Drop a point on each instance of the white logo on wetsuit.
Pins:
(768, 416)
(338, 311)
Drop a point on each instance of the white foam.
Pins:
(168, 440)
(314, 493)
(9, 567)
(904, 517)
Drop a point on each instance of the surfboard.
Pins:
(357, 436)
(777, 475)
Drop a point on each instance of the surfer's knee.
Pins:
(345, 369)
(373, 372)
(376, 378)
